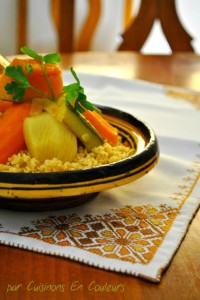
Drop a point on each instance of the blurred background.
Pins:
(42, 35)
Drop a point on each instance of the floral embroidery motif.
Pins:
(131, 234)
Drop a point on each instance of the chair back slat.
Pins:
(22, 24)
(89, 27)
(135, 32)
(128, 16)
(63, 19)
(176, 35)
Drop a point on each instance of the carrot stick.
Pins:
(11, 130)
(106, 130)
(4, 105)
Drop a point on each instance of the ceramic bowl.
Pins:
(56, 190)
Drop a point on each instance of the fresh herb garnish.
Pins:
(52, 58)
(19, 86)
(75, 95)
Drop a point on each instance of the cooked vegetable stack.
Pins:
(29, 72)
(41, 115)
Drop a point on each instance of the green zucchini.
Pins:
(86, 133)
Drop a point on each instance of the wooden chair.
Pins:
(151, 10)
(136, 29)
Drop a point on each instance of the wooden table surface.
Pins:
(181, 280)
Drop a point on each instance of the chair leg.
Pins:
(66, 26)
(176, 35)
(89, 26)
(21, 24)
(137, 33)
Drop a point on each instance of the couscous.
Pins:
(105, 154)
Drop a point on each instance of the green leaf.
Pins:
(75, 95)
(29, 69)
(82, 99)
(81, 90)
(30, 53)
(71, 87)
(17, 89)
(16, 72)
(79, 107)
(52, 58)
(88, 105)
(72, 92)
(75, 76)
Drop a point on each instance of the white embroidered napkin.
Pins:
(136, 228)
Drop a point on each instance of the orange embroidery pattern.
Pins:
(131, 234)
(193, 98)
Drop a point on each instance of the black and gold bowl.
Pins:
(56, 190)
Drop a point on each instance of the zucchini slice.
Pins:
(82, 129)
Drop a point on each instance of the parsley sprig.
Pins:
(17, 88)
(75, 95)
(17, 73)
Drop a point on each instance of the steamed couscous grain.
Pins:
(102, 155)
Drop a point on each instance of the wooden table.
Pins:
(182, 278)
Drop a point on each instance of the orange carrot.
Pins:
(105, 129)
(36, 79)
(4, 105)
(11, 130)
